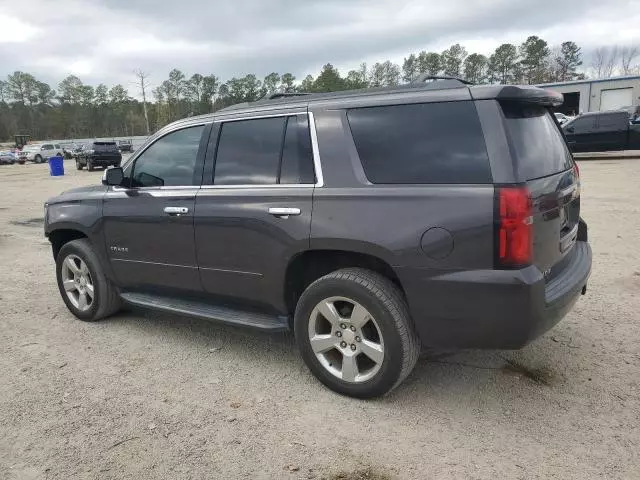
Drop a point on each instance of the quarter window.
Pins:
(170, 161)
(421, 143)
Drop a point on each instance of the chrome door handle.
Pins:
(283, 212)
(176, 210)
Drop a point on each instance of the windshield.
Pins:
(536, 141)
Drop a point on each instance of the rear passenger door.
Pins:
(255, 214)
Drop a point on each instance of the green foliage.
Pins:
(452, 60)
(429, 62)
(503, 64)
(535, 55)
(475, 68)
(567, 62)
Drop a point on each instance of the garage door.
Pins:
(616, 99)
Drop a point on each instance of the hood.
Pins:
(91, 192)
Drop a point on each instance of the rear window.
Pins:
(104, 146)
(421, 143)
(536, 142)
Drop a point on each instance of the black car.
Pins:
(125, 145)
(602, 131)
(98, 154)
(368, 222)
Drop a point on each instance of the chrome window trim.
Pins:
(314, 149)
(315, 153)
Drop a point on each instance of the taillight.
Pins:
(575, 165)
(514, 227)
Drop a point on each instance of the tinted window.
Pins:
(104, 146)
(297, 158)
(536, 142)
(169, 161)
(581, 125)
(47, 147)
(249, 152)
(613, 121)
(421, 143)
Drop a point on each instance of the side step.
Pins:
(231, 316)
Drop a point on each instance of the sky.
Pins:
(104, 41)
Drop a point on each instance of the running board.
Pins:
(231, 316)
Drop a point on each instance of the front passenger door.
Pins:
(148, 223)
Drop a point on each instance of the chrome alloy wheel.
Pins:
(77, 282)
(346, 339)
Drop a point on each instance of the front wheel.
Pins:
(78, 165)
(38, 159)
(89, 165)
(355, 334)
(85, 289)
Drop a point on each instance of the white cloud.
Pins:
(105, 40)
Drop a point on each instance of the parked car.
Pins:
(426, 229)
(68, 149)
(98, 154)
(125, 145)
(562, 118)
(7, 157)
(601, 132)
(40, 152)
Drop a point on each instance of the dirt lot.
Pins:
(150, 396)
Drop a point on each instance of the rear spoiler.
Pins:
(524, 94)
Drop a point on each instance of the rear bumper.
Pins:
(493, 308)
(105, 161)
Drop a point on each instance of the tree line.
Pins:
(77, 110)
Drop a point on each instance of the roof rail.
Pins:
(285, 94)
(425, 76)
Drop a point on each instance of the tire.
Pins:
(385, 304)
(105, 301)
(38, 159)
(78, 165)
(89, 165)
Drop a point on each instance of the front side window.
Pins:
(582, 125)
(170, 161)
(47, 147)
(264, 151)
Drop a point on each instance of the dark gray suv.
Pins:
(368, 222)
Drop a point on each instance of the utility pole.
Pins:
(142, 76)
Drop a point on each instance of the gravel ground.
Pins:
(143, 395)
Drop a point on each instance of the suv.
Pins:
(125, 146)
(39, 152)
(98, 154)
(368, 222)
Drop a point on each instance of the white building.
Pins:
(581, 96)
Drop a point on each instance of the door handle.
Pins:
(283, 212)
(177, 211)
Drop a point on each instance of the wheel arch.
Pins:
(307, 266)
(60, 236)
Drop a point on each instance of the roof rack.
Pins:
(285, 94)
(425, 76)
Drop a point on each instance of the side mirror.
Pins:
(570, 130)
(113, 176)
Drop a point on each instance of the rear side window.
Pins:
(536, 142)
(264, 151)
(421, 143)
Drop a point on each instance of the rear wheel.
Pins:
(355, 333)
(85, 289)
